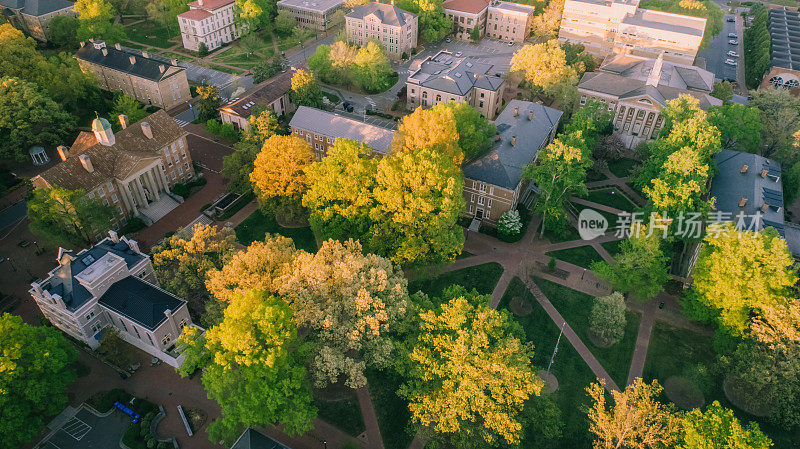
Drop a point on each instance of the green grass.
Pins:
(569, 368)
(622, 167)
(570, 233)
(575, 307)
(150, 33)
(333, 98)
(611, 197)
(582, 256)
(613, 248)
(344, 414)
(392, 410)
(224, 69)
(257, 226)
(611, 218)
(178, 56)
(132, 45)
(482, 278)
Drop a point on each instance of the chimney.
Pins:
(118, 46)
(516, 112)
(530, 115)
(162, 68)
(133, 59)
(63, 152)
(173, 61)
(113, 235)
(744, 168)
(123, 120)
(497, 137)
(764, 207)
(513, 140)
(105, 51)
(133, 245)
(144, 54)
(742, 202)
(764, 173)
(146, 130)
(655, 75)
(86, 162)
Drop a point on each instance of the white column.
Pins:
(126, 189)
(151, 185)
(125, 200)
(140, 185)
(138, 193)
(164, 179)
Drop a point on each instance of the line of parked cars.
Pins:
(733, 41)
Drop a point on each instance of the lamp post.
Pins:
(555, 350)
(38, 250)
(12, 263)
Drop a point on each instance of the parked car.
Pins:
(458, 53)
(730, 19)
(733, 35)
(448, 40)
(731, 62)
(510, 43)
(347, 106)
(733, 53)
(733, 42)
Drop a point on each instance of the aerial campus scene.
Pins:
(406, 224)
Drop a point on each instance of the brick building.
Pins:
(394, 28)
(274, 93)
(209, 22)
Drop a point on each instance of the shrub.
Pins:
(510, 225)
(104, 400)
(607, 319)
(228, 132)
(213, 126)
(551, 265)
(134, 224)
(404, 55)
(202, 50)
(180, 189)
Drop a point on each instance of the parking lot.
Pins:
(490, 51)
(88, 431)
(717, 52)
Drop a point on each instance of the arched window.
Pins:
(791, 83)
(776, 81)
(438, 98)
(425, 94)
(645, 101)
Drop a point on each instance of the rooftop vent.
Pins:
(118, 46)
(742, 202)
(530, 115)
(744, 168)
(144, 54)
(146, 130)
(132, 59)
(764, 173)
(516, 112)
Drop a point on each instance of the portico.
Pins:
(144, 186)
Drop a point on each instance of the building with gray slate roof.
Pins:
(637, 88)
(393, 27)
(784, 32)
(149, 80)
(321, 129)
(34, 16)
(253, 439)
(445, 78)
(747, 190)
(314, 14)
(493, 183)
(112, 284)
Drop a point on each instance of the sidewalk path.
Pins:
(642, 341)
(373, 431)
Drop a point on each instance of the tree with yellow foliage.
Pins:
(433, 128)
(278, 171)
(306, 91)
(544, 65)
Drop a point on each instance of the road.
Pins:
(13, 214)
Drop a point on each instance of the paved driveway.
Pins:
(716, 53)
(89, 431)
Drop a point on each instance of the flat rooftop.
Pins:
(319, 6)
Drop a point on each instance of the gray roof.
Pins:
(37, 7)
(139, 301)
(504, 164)
(143, 67)
(252, 439)
(666, 21)
(456, 75)
(625, 87)
(71, 291)
(673, 74)
(318, 6)
(784, 30)
(516, 7)
(388, 14)
(335, 126)
(757, 184)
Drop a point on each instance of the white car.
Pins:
(733, 35)
(731, 62)
(733, 54)
(448, 40)
(510, 43)
(458, 53)
(733, 42)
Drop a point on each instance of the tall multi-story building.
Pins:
(444, 78)
(466, 15)
(493, 183)
(34, 16)
(274, 93)
(132, 170)
(394, 28)
(637, 88)
(149, 80)
(313, 14)
(509, 21)
(321, 129)
(209, 22)
(112, 284)
(619, 26)
(784, 31)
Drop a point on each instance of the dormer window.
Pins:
(744, 168)
(742, 202)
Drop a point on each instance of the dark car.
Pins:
(730, 19)
(347, 106)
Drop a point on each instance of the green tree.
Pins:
(433, 128)
(306, 90)
(475, 34)
(36, 368)
(68, 217)
(419, 199)
(739, 126)
(757, 42)
(718, 428)
(202, 50)
(475, 132)
(129, 106)
(469, 371)
(433, 23)
(114, 349)
(253, 367)
(578, 58)
(353, 302)
(29, 118)
(641, 268)
(96, 21)
(285, 23)
(183, 260)
(237, 166)
(208, 102)
(64, 32)
(723, 90)
(737, 275)
(607, 318)
(267, 69)
(164, 12)
(543, 65)
(780, 120)
(340, 187)
(371, 68)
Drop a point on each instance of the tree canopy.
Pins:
(238, 165)
(475, 132)
(208, 102)
(306, 90)
(543, 65)
(718, 428)
(365, 67)
(36, 368)
(95, 19)
(434, 128)
(127, 105)
(68, 217)
(278, 170)
(739, 126)
(164, 12)
(433, 22)
(548, 23)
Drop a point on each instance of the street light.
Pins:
(12, 263)
(38, 250)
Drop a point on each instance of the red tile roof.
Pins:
(467, 6)
(195, 14)
(210, 5)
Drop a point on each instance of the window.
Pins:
(110, 187)
(481, 200)
(491, 190)
(174, 150)
(89, 316)
(166, 340)
(183, 155)
(137, 333)
(488, 203)
(186, 166)
(482, 187)
(173, 175)
(472, 198)
(583, 100)
(101, 191)
(163, 168)
(149, 338)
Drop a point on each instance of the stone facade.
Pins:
(394, 28)
(466, 15)
(33, 16)
(313, 14)
(509, 21)
(209, 22)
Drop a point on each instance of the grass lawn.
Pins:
(344, 413)
(622, 167)
(257, 226)
(570, 233)
(611, 218)
(611, 197)
(613, 248)
(575, 307)
(392, 410)
(150, 33)
(178, 56)
(572, 372)
(333, 98)
(582, 256)
(480, 277)
(132, 45)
